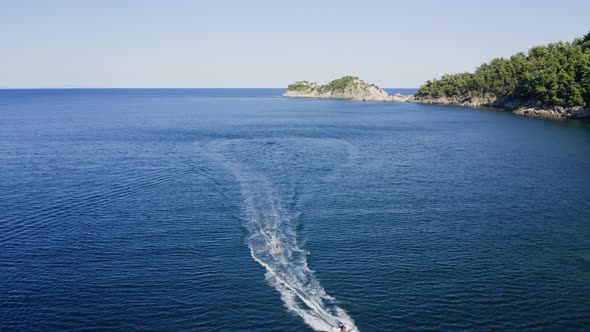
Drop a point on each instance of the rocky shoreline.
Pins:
(518, 107)
(353, 88)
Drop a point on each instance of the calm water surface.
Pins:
(240, 210)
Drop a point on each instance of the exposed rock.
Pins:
(555, 112)
(486, 101)
(517, 106)
(399, 98)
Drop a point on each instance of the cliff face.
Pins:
(347, 87)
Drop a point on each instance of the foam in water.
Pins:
(273, 243)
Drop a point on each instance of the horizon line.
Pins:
(153, 88)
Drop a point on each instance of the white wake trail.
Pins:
(273, 243)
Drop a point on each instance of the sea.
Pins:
(242, 210)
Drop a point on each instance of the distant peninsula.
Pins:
(551, 81)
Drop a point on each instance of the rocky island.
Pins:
(348, 87)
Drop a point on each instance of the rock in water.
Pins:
(348, 87)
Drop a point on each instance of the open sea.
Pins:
(241, 210)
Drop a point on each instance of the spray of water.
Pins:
(274, 244)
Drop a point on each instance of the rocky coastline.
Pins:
(518, 107)
(353, 88)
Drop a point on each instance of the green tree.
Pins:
(555, 74)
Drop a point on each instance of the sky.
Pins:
(235, 44)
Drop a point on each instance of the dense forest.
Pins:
(554, 75)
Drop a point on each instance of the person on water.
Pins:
(278, 248)
(343, 328)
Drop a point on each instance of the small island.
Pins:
(551, 81)
(348, 87)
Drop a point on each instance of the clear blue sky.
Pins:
(222, 43)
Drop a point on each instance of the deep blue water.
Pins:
(151, 209)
